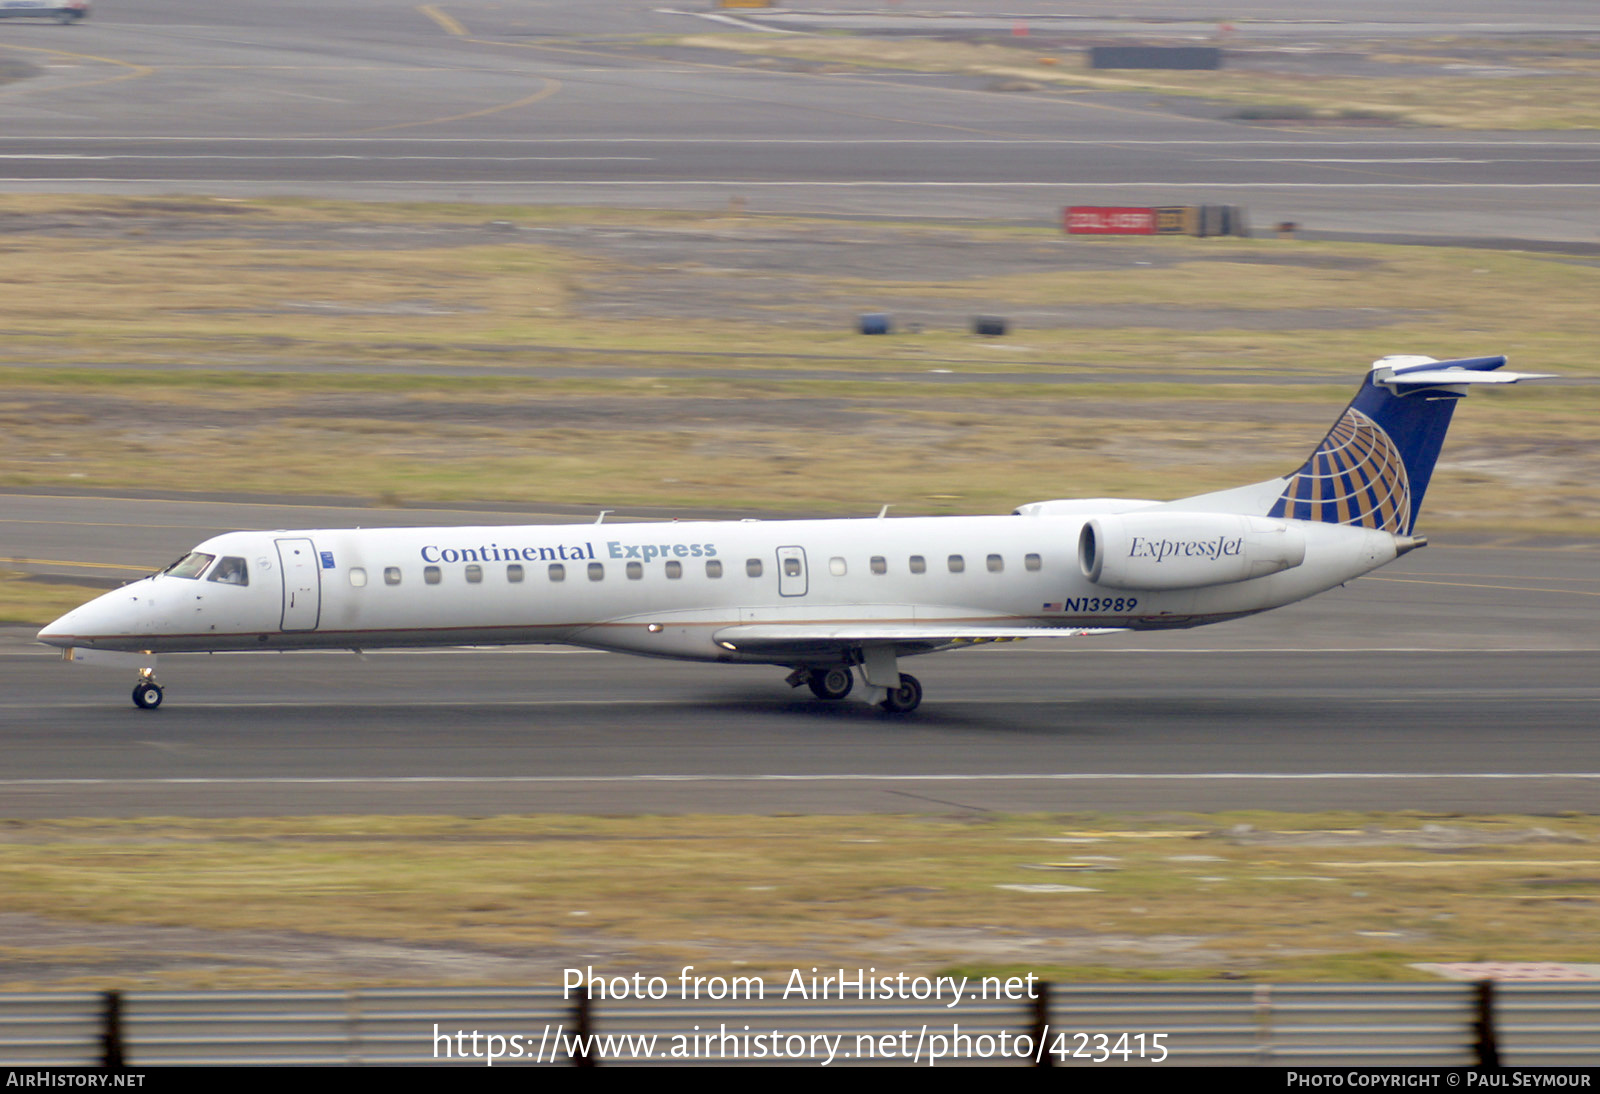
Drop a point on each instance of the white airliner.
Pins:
(829, 599)
(62, 11)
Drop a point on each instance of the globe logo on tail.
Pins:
(1356, 476)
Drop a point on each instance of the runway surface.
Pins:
(1459, 679)
(555, 102)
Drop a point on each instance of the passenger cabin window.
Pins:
(231, 571)
(635, 570)
(880, 565)
(474, 574)
(358, 577)
(957, 564)
(191, 565)
(514, 573)
(391, 575)
(791, 567)
(996, 564)
(597, 571)
(674, 570)
(836, 567)
(919, 565)
(558, 572)
(1030, 562)
(752, 567)
(431, 575)
(713, 567)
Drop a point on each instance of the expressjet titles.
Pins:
(566, 552)
(1160, 549)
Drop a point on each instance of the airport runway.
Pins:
(553, 102)
(1462, 678)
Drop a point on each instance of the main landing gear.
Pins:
(830, 683)
(834, 683)
(905, 698)
(837, 682)
(147, 693)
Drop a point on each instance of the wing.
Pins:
(811, 638)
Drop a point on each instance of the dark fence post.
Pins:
(583, 1018)
(111, 1034)
(1488, 1044)
(1041, 1025)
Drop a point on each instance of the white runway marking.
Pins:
(279, 157)
(556, 780)
(1593, 145)
(1383, 160)
(848, 184)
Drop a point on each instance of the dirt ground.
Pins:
(784, 272)
(454, 362)
(1342, 868)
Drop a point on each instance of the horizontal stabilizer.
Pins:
(1459, 376)
(1407, 370)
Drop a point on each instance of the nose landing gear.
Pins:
(147, 693)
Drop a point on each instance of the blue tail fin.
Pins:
(1373, 467)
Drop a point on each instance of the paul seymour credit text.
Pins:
(1438, 1078)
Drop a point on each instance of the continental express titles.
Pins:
(566, 552)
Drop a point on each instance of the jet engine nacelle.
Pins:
(1186, 550)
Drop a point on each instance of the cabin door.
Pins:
(791, 571)
(302, 584)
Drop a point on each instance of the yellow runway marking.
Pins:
(307, 68)
(550, 88)
(450, 25)
(1471, 585)
(1430, 577)
(137, 70)
(577, 518)
(834, 78)
(187, 501)
(102, 524)
(64, 562)
(1511, 544)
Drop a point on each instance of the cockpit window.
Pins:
(191, 565)
(231, 571)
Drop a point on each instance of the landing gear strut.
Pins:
(905, 698)
(147, 693)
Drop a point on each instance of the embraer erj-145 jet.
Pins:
(832, 600)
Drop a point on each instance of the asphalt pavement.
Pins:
(564, 103)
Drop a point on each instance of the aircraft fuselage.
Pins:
(669, 589)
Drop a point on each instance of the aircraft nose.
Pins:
(59, 633)
(105, 617)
